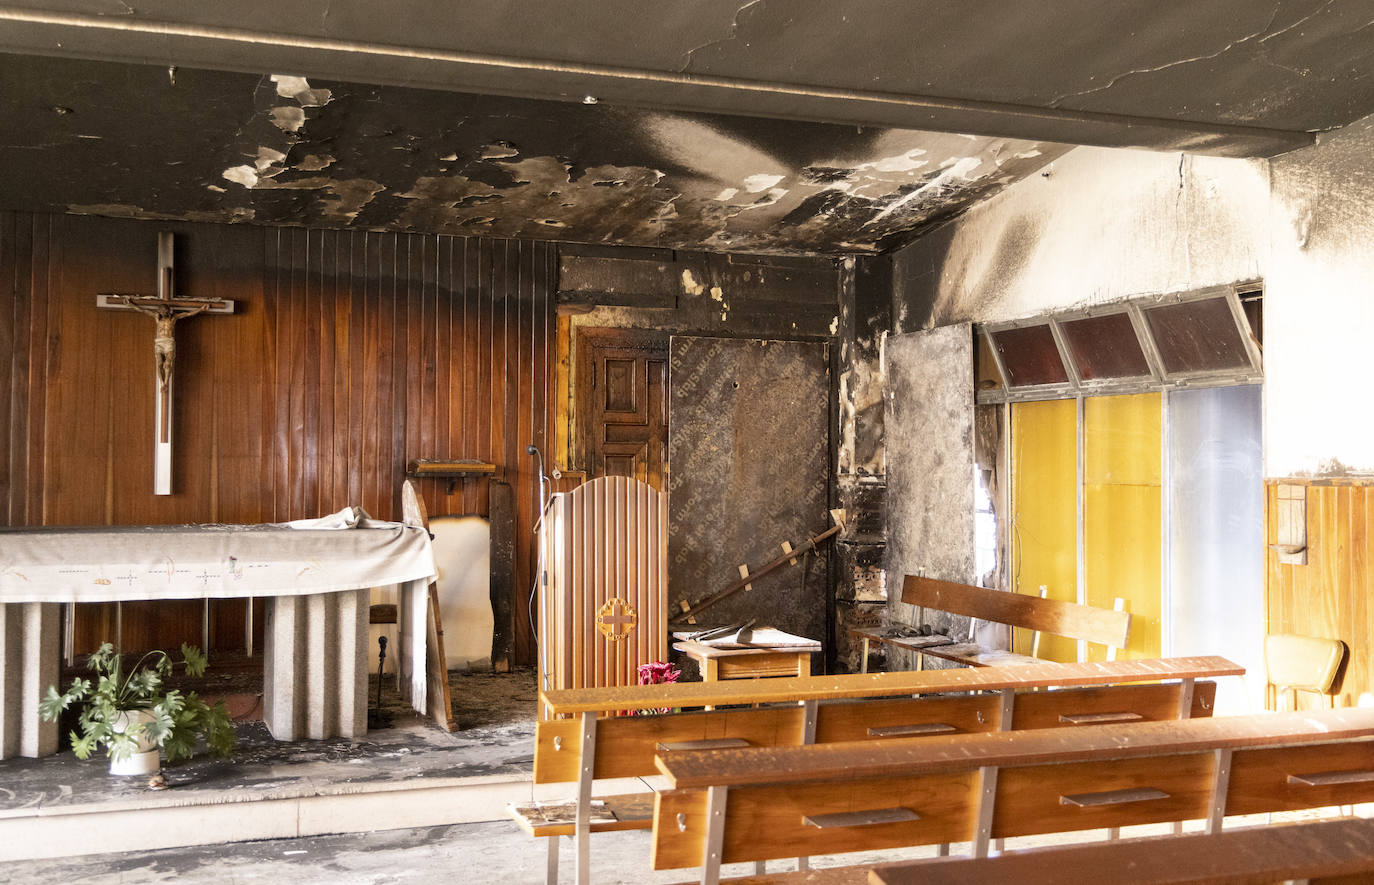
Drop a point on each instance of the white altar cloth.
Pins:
(315, 580)
(113, 563)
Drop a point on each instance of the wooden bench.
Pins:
(1109, 627)
(824, 709)
(759, 804)
(1311, 851)
(1331, 852)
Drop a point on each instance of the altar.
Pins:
(315, 575)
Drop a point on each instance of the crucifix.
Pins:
(165, 308)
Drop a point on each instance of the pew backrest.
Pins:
(1106, 626)
(627, 746)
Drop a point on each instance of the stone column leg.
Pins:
(315, 667)
(412, 615)
(29, 634)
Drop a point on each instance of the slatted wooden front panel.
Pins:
(605, 539)
(1330, 595)
(349, 353)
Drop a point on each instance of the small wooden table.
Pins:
(750, 661)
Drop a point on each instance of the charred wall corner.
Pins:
(860, 584)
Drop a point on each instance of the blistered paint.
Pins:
(690, 284)
(288, 119)
(298, 88)
(761, 182)
(440, 162)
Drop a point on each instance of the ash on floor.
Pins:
(495, 736)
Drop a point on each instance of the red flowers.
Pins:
(656, 673)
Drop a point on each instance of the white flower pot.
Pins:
(146, 760)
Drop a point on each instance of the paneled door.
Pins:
(622, 404)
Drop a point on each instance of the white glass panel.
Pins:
(1216, 533)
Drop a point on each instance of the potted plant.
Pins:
(132, 714)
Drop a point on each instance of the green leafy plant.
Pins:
(178, 719)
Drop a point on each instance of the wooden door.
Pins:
(622, 404)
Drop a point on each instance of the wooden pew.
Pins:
(1331, 852)
(823, 709)
(759, 804)
(1107, 627)
(1325, 851)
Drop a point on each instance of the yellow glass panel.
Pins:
(1045, 511)
(1121, 513)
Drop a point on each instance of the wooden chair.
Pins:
(1300, 663)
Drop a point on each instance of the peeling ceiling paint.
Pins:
(287, 150)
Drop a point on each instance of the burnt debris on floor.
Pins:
(495, 711)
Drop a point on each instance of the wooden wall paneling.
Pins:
(9, 304)
(20, 257)
(411, 367)
(1360, 668)
(347, 354)
(522, 469)
(1329, 595)
(467, 290)
(500, 397)
(1340, 566)
(324, 368)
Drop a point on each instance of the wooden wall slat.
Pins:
(347, 355)
(1329, 596)
(9, 303)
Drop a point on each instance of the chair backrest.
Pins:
(1304, 663)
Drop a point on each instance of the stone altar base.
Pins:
(29, 634)
(315, 671)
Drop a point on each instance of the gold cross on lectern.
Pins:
(165, 309)
(616, 619)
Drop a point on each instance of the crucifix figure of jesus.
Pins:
(165, 309)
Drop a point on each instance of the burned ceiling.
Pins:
(139, 141)
(808, 126)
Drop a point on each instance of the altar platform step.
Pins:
(412, 774)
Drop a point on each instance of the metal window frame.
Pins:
(1159, 379)
(1106, 386)
(1211, 377)
(1010, 393)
